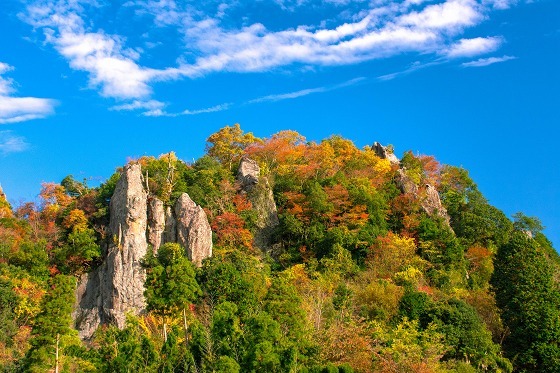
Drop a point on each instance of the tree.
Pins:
(72, 187)
(53, 322)
(529, 301)
(170, 284)
(228, 143)
(126, 350)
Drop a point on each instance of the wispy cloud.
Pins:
(163, 113)
(473, 47)
(19, 109)
(305, 92)
(488, 61)
(10, 143)
(214, 40)
(415, 66)
(139, 105)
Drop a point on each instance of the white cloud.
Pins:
(20, 109)
(110, 65)
(500, 4)
(304, 92)
(449, 15)
(10, 143)
(139, 105)
(214, 39)
(488, 61)
(5, 83)
(161, 113)
(473, 47)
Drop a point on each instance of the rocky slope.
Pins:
(137, 221)
(427, 194)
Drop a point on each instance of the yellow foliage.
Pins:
(379, 299)
(410, 275)
(407, 349)
(382, 167)
(391, 254)
(29, 297)
(75, 220)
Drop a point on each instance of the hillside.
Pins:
(276, 255)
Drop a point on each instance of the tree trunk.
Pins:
(56, 353)
(185, 326)
(164, 330)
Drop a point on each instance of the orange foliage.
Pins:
(347, 343)
(406, 207)
(476, 255)
(242, 203)
(231, 232)
(298, 206)
(432, 169)
(283, 147)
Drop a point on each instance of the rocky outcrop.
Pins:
(248, 173)
(431, 203)
(193, 229)
(405, 183)
(260, 194)
(123, 285)
(384, 153)
(427, 194)
(87, 314)
(116, 287)
(5, 208)
(156, 223)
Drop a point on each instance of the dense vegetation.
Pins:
(361, 278)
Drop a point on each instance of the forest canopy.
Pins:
(368, 265)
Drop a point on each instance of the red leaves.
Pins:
(231, 232)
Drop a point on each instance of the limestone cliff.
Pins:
(117, 286)
(156, 223)
(260, 194)
(123, 284)
(193, 229)
(136, 221)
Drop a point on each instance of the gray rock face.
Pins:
(123, 286)
(431, 203)
(117, 286)
(156, 223)
(248, 173)
(260, 194)
(428, 195)
(405, 183)
(383, 153)
(87, 314)
(193, 229)
(170, 233)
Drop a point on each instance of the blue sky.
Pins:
(85, 85)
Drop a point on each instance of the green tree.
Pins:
(53, 322)
(126, 350)
(226, 331)
(530, 304)
(170, 284)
